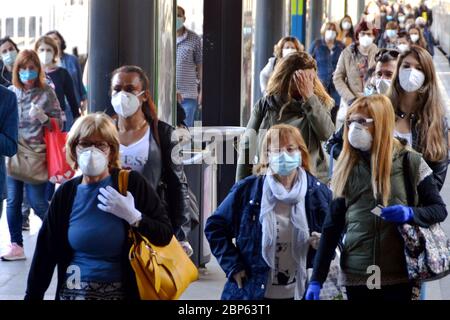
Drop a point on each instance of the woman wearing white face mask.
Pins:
(380, 84)
(283, 48)
(47, 50)
(351, 71)
(276, 217)
(370, 186)
(88, 221)
(8, 55)
(416, 37)
(327, 51)
(347, 33)
(146, 146)
(420, 112)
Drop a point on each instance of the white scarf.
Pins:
(273, 191)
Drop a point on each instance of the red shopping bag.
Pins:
(58, 168)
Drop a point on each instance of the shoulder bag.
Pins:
(162, 273)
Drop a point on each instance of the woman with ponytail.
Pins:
(146, 145)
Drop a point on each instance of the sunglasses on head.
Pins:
(390, 52)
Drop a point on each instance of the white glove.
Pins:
(123, 207)
(187, 248)
(239, 277)
(314, 240)
(36, 112)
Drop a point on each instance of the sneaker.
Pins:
(26, 225)
(15, 253)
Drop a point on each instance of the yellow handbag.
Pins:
(162, 273)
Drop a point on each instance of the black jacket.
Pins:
(439, 167)
(173, 186)
(53, 248)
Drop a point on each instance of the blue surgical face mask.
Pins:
(284, 163)
(180, 23)
(27, 75)
(9, 58)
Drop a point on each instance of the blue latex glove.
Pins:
(313, 292)
(398, 214)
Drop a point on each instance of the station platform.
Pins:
(13, 275)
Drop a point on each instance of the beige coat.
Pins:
(346, 77)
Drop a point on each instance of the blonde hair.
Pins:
(381, 111)
(98, 124)
(48, 41)
(278, 48)
(281, 133)
(430, 113)
(280, 83)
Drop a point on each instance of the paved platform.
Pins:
(13, 275)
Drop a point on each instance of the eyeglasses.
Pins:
(103, 146)
(361, 121)
(383, 52)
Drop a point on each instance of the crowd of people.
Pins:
(364, 95)
(367, 94)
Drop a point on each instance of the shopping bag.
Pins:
(59, 170)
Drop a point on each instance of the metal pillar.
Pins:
(115, 39)
(222, 45)
(269, 28)
(316, 14)
(361, 6)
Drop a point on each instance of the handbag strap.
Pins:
(123, 181)
(408, 181)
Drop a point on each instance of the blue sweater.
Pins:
(96, 237)
(9, 124)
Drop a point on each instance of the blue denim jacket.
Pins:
(9, 126)
(326, 59)
(238, 217)
(71, 64)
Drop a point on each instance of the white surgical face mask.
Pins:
(359, 137)
(414, 37)
(45, 57)
(411, 79)
(92, 161)
(346, 25)
(125, 104)
(365, 41)
(403, 47)
(401, 19)
(330, 35)
(382, 85)
(288, 51)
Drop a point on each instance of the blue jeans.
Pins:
(190, 107)
(69, 120)
(37, 199)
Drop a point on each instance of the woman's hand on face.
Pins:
(304, 81)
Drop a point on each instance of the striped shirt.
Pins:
(189, 55)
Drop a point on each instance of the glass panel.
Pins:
(21, 27)
(9, 27)
(32, 27)
(248, 27)
(165, 69)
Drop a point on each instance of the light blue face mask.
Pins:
(284, 163)
(27, 75)
(9, 58)
(180, 23)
